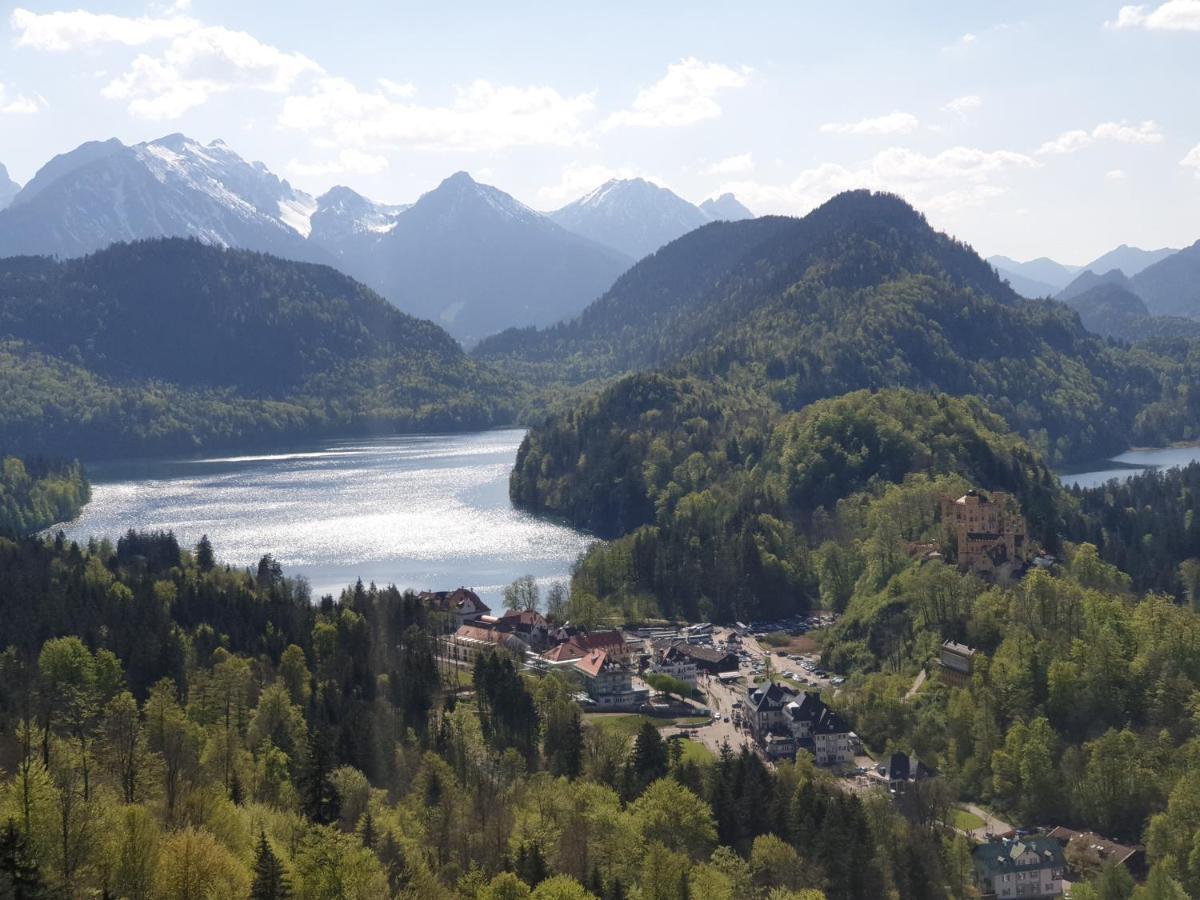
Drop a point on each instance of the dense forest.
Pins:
(172, 345)
(722, 515)
(38, 493)
(173, 728)
(862, 293)
(1081, 707)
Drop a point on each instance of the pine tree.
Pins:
(20, 878)
(391, 856)
(270, 881)
(205, 559)
(366, 832)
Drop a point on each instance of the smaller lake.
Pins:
(1131, 463)
(418, 511)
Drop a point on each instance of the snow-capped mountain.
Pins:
(348, 226)
(633, 215)
(8, 187)
(475, 260)
(103, 192)
(726, 208)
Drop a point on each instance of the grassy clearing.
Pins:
(965, 821)
(694, 751)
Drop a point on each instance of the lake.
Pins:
(1131, 463)
(421, 512)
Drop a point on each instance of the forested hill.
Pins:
(169, 345)
(716, 508)
(683, 296)
(35, 494)
(862, 293)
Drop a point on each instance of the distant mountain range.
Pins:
(726, 208)
(1169, 288)
(638, 217)
(8, 187)
(1043, 277)
(104, 192)
(466, 254)
(476, 260)
(1110, 307)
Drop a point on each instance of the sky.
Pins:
(1025, 128)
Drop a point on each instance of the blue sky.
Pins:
(1059, 128)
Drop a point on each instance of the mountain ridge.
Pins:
(251, 348)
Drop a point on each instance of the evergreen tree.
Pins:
(20, 878)
(366, 830)
(205, 559)
(270, 881)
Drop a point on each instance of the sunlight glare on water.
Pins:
(418, 511)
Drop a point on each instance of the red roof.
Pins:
(593, 663)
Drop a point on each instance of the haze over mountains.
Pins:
(1044, 277)
(466, 255)
(8, 187)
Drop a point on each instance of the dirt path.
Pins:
(916, 686)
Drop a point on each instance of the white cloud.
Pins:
(481, 116)
(1067, 142)
(201, 63)
(1115, 175)
(953, 179)
(1071, 141)
(348, 161)
(892, 123)
(578, 179)
(20, 104)
(1192, 160)
(1174, 15)
(742, 164)
(1146, 133)
(686, 94)
(195, 63)
(62, 31)
(398, 89)
(961, 106)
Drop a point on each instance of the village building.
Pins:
(669, 659)
(821, 731)
(1024, 867)
(609, 682)
(708, 660)
(766, 714)
(900, 770)
(783, 723)
(576, 644)
(480, 636)
(530, 626)
(1096, 851)
(989, 531)
(956, 662)
(463, 603)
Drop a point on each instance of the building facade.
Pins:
(990, 532)
(1031, 867)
